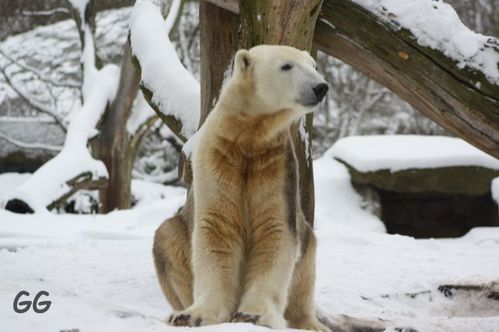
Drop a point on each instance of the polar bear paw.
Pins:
(196, 317)
(271, 321)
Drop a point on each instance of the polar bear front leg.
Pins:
(216, 259)
(270, 267)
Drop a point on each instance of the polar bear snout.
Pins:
(320, 91)
(313, 94)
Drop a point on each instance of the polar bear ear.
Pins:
(243, 60)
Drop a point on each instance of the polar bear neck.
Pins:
(252, 131)
(242, 118)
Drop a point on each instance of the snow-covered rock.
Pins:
(401, 152)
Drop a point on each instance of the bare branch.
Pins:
(34, 146)
(168, 178)
(32, 70)
(84, 181)
(35, 104)
(142, 130)
(45, 12)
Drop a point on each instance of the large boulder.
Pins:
(426, 186)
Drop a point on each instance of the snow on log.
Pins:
(421, 51)
(441, 29)
(170, 89)
(73, 168)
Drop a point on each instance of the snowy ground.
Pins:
(100, 275)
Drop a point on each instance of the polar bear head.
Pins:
(279, 77)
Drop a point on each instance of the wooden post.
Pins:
(218, 33)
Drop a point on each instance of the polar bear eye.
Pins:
(286, 67)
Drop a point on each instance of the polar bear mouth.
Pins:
(308, 104)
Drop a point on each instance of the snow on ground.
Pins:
(400, 152)
(435, 24)
(99, 271)
(9, 181)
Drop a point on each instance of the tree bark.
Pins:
(114, 142)
(218, 46)
(461, 100)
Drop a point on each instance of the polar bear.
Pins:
(247, 254)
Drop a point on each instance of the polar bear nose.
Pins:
(321, 90)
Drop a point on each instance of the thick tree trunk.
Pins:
(460, 100)
(218, 46)
(114, 143)
(290, 22)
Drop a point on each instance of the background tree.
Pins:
(115, 144)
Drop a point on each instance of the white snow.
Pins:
(145, 192)
(99, 270)
(495, 189)
(9, 181)
(191, 143)
(435, 24)
(175, 90)
(80, 5)
(400, 152)
(302, 129)
(141, 112)
(337, 200)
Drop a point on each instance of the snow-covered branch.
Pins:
(167, 85)
(441, 29)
